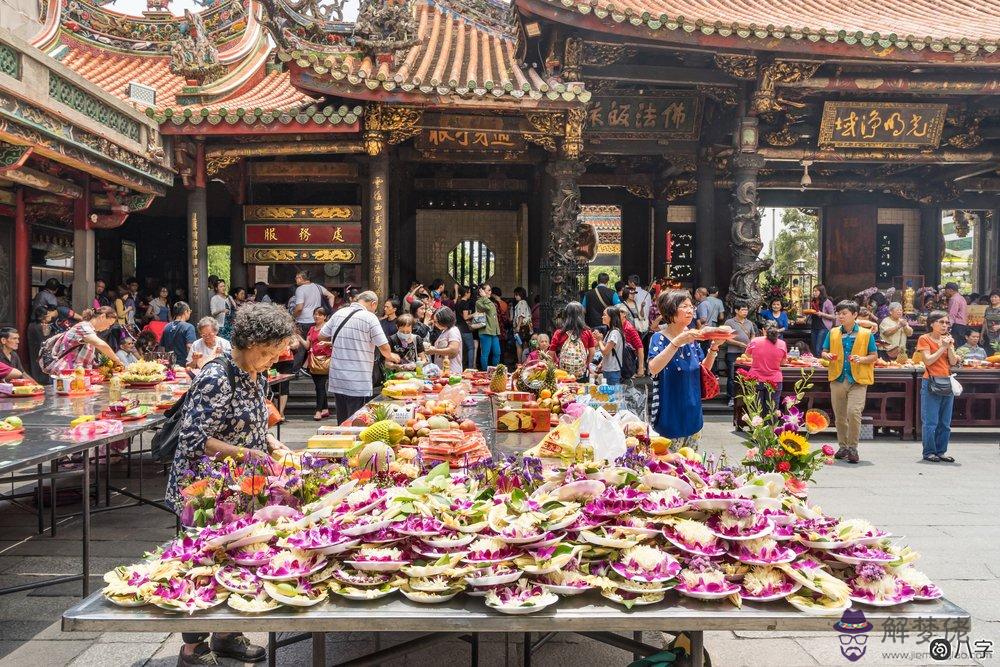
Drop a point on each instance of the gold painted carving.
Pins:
(572, 59)
(305, 213)
(739, 67)
(727, 97)
(216, 164)
(641, 191)
(548, 127)
(573, 141)
(388, 125)
(601, 53)
(679, 189)
(765, 99)
(278, 255)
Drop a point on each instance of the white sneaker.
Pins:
(732, 402)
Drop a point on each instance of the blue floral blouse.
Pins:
(678, 390)
(211, 410)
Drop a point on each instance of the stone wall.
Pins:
(440, 231)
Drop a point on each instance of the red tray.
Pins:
(143, 385)
(11, 434)
(33, 395)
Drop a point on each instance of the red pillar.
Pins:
(22, 265)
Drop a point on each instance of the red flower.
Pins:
(769, 453)
(784, 466)
(828, 450)
(361, 475)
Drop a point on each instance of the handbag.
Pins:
(273, 416)
(318, 364)
(709, 384)
(477, 321)
(940, 385)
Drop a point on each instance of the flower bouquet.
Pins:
(923, 588)
(694, 537)
(739, 521)
(377, 559)
(875, 585)
(761, 551)
(767, 584)
(565, 583)
(646, 564)
(236, 579)
(295, 592)
(252, 603)
(703, 579)
(291, 564)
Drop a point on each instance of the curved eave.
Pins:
(714, 36)
(306, 78)
(312, 119)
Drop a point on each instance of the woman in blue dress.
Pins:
(675, 359)
(776, 315)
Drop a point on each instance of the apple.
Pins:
(14, 422)
(468, 426)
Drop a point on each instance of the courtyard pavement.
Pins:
(949, 513)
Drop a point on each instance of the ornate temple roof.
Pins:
(938, 25)
(463, 49)
(113, 50)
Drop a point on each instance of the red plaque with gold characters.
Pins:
(301, 234)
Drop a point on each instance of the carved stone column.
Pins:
(561, 264)
(746, 243)
(84, 251)
(378, 234)
(22, 265)
(660, 205)
(197, 228)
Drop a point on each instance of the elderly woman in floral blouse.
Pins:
(225, 415)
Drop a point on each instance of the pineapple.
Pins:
(380, 411)
(550, 378)
(498, 381)
(384, 429)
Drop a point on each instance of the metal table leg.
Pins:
(86, 526)
(319, 649)
(53, 492)
(40, 500)
(474, 650)
(272, 649)
(527, 649)
(637, 636)
(697, 648)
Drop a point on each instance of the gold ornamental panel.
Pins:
(301, 213)
(301, 255)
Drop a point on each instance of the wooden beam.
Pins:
(680, 76)
(272, 148)
(41, 181)
(473, 184)
(936, 85)
(877, 155)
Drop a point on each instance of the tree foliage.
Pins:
(218, 261)
(798, 239)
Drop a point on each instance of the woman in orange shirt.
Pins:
(938, 350)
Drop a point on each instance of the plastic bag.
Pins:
(605, 434)
(956, 386)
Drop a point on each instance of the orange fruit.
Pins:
(545, 393)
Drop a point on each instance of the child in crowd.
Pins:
(540, 349)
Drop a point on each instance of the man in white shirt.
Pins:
(355, 333)
(308, 297)
(209, 345)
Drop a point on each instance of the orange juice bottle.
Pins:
(78, 383)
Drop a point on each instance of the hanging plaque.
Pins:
(882, 125)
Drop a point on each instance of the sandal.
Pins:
(318, 416)
(946, 459)
(933, 458)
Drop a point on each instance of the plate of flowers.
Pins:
(856, 554)
(629, 600)
(634, 525)
(188, 595)
(262, 532)
(424, 597)
(874, 585)
(236, 579)
(362, 594)
(641, 587)
(924, 589)
(610, 537)
(564, 583)
(817, 604)
(426, 551)
(325, 540)
(489, 551)
(439, 585)
(254, 555)
(416, 525)
(694, 537)
(361, 579)
(646, 564)
(432, 568)
(546, 560)
(361, 501)
(128, 586)
(295, 593)
(366, 524)
(449, 540)
(377, 559)
(523, 598)
(662, 481)
(761, 551)
(253, 603)
(739, 521)
(663, 502)
(324, 574)
(614, 502)
(767, 584)
(383, 537)
(291, 564)
(216, 537)
(703, 579)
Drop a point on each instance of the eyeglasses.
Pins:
(847, 640)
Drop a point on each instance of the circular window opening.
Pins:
(471, 263)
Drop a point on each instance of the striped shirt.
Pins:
(354, 351)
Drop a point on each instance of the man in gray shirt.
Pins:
(710, 310)
(356, 333)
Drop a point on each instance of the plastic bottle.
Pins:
(115, 385)
(584, 450)
(78, 383)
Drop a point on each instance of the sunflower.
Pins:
(816, 421)
(793, 443)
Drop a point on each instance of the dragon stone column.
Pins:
(562, 265)
(746, 243)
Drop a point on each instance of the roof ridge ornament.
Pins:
(194, 56)
(385, 29)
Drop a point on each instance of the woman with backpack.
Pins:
(615, 359)
(80, 344)
(574, 343)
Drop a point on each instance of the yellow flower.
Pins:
(793, 443)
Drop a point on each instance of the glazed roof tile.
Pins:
(454, 56)
(938, 25)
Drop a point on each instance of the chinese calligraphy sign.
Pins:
(882, 125)
(673, 115)
(302, 234)
(453, 133)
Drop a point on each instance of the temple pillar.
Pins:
(660, 205)
(84, 252)
(705, 246)
(197, 228)
(22, 265)
(745, 238)
(378, 234)
(635, 237)
(931, 244)
(561, 265)
(238, 274)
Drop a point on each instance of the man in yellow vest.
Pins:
(849, 381)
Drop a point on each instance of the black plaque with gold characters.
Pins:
(674, 115)
(882, 124)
